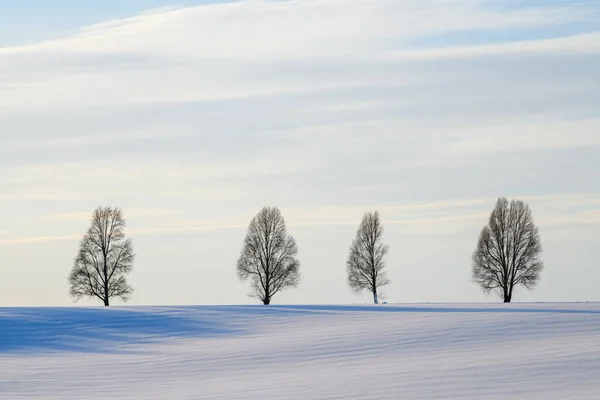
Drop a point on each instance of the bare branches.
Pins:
(508, 250)
(366, 261)
(105, 256)
(269, 256)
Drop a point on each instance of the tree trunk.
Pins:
(105, 280)
(507, 298)
(375, 299)
(266, 302)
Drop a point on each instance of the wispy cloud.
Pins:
(305, 29)
(558, 134)
(193, 118)
(421, 218)
(38, 239)
(177, 50)
(131, 213)
(586, 43)
(132, 232)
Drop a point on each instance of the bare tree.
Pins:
(269, 256)
(366, 262)
(508, 250)
(105, 257)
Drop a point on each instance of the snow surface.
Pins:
(430, 351)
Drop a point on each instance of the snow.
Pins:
(428, 351)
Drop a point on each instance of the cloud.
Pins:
(38, 239)
(526, 136)
(132, 213)
(132, 232)
(588, 43)
(590, 218)
(304, 28)
(191, 119)
(246, 49)
(437, 218)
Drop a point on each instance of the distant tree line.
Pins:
(507, 255)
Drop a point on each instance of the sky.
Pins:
(192, 116)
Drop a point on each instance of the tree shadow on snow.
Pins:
(115, 329)
(99, 330)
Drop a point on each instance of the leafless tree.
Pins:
(508, 250)
(105, 257)
(366, 262)
(269, 256)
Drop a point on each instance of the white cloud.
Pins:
(270, 29)
(191, 119)
(588, 43)
(131, 213)
(526, 136)
(239, 50)
(448, 217)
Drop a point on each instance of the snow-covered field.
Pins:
(484, 351)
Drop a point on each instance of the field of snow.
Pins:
(485, 351)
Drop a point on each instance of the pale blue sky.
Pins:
(193, 118)
(28, 21)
